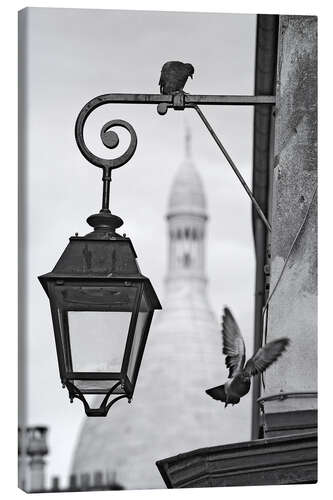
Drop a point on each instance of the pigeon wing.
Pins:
(164, 72)
(173, 76)
(265, 356)
(233, 343)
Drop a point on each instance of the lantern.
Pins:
(102, 308)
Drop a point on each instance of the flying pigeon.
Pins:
(174, 75)
(239, 378)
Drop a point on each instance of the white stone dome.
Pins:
(171, 412)
(187, 194)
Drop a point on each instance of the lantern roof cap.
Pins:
(110, 258)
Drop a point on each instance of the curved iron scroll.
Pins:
(103, 410)
(109, 138)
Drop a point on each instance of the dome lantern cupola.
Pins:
(187, 194)
(186, 222)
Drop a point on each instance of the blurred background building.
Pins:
(33, 455)
(171, 412)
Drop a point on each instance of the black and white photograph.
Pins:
(167, 257)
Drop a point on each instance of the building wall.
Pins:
(293, 307)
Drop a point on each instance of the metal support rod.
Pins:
(106, 189)
(233, 166)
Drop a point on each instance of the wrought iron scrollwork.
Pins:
(104, 219)
(109, 138)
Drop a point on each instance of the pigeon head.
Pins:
(190, 69)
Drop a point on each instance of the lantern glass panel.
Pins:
(144, 315)
(98, 339)
(96, 386)
(94, 323)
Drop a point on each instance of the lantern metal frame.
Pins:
(121, 383)
(72, 286)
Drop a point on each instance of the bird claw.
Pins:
(182, 92)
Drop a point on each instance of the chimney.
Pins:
(36, 450)
(22, 457)
(98, 479)
(73, 484)
(55, 484)
(85, 481)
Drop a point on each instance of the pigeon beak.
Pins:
(191, 76)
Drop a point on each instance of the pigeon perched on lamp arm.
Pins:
(239, 379)
(174, 76)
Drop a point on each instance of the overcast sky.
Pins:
(74, 55)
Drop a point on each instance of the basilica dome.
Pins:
(170, 412)
(187, 194)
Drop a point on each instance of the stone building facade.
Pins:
(293, 307)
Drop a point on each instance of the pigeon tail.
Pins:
(218, 393)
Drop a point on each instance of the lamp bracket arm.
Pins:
(178, 101)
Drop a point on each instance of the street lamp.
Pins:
(101, 304)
